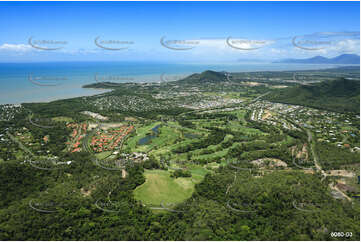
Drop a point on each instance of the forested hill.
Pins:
(206, 76)
(197, 78)
(341, 95)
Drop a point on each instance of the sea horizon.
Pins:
(49, 81)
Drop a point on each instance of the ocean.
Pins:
(42, 82)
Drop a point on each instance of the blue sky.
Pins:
(193, 32)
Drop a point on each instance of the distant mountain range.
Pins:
(253, 61)
(341, 59)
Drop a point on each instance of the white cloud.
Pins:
(15, 47)
(202, 49)
(346, 46)
(221, 49)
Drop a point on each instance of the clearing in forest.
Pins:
(159, 188)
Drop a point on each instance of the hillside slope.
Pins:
(341, 95)
(206, 76)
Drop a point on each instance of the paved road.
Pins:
(254, 100)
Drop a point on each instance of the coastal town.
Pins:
(177, 137)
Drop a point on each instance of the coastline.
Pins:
(98, 92)
(17, 89)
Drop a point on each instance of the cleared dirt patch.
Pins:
(303, 153)
(269, 162)
(344, 173)
(279, 86)
(85, 192)
(252, 84)
(106, 126)
(266, 115)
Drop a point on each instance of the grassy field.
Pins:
(63, 119)
(198, 173)
(140, 132)
(167, 137)
(103, 155)
(235, 126)
(161, 188)
(240, 115)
